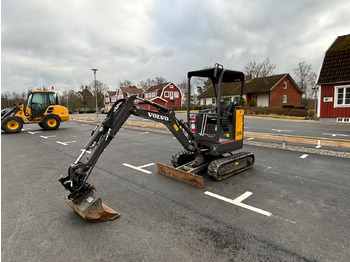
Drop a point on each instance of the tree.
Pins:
(305, 78)
(263, 69)
(101, 90)
(205, 85)
(11, 99)
(152, 82)
(125, 83)
(85, 97)
(183, 88)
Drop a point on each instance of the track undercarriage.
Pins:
(217, 167)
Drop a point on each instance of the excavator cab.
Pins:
(220, 130)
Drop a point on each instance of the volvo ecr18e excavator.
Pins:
(211, 147)
(42, 108)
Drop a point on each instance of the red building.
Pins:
(269, 91)
(167, 94)
(334, 79)
(121, 92)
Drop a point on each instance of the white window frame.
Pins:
(146, 95)
(285, 85)
(176, 94)
(284, 99)
(113, 99)
(336, 88)
(171, 95)
(166, 94)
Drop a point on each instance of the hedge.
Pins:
(279, 111)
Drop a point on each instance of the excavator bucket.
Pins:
(181, 175)
(92, 209)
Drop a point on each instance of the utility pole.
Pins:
(95, 91)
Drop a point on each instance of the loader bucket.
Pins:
(181, 175)
(92, 209)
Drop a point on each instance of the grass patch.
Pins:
(284, 117)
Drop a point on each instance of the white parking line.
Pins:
(280, 130)
(238, 201)
(304, 156)
(144, 133)
(46, 137)
(139, 168)
(65, 143)
(328, 134)
(35, 132)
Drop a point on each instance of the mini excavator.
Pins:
(211, 147)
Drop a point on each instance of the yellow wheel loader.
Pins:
(209, 149)
(42, 108)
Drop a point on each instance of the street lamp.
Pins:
(95, 91)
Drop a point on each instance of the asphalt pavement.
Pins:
(290, 206)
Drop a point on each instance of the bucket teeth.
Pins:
(92, 209)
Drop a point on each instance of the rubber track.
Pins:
(214, 166)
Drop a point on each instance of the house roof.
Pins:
(257, 85)
(157, 88)
(336, 63)
(132, 90)
(111, 93)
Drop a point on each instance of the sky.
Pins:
(57, 43)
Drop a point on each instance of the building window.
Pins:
(213, 101)
(146, 95)
(342, 96)
(284, 99)
(113, 99)
(204, 101)
(285, 85)
(166, 94)
(176, 94)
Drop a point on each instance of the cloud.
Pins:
(58, 42)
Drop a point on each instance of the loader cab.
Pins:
(38, 101)
(220, 129)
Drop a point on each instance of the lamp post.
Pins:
(95, 91)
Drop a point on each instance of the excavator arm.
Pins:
(80, 170)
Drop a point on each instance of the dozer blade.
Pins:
(183, 176)
(92, 209)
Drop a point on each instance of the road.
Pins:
(283, 126)
(288, 207)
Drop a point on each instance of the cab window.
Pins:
(51, 99)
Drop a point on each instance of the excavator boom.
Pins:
(83, 198)
(218, 132)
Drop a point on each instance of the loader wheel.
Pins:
(51, 122)
(12, 124)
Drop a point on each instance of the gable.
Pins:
(131, 91)
(170, 87)
(157, 89)
(336, 63)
